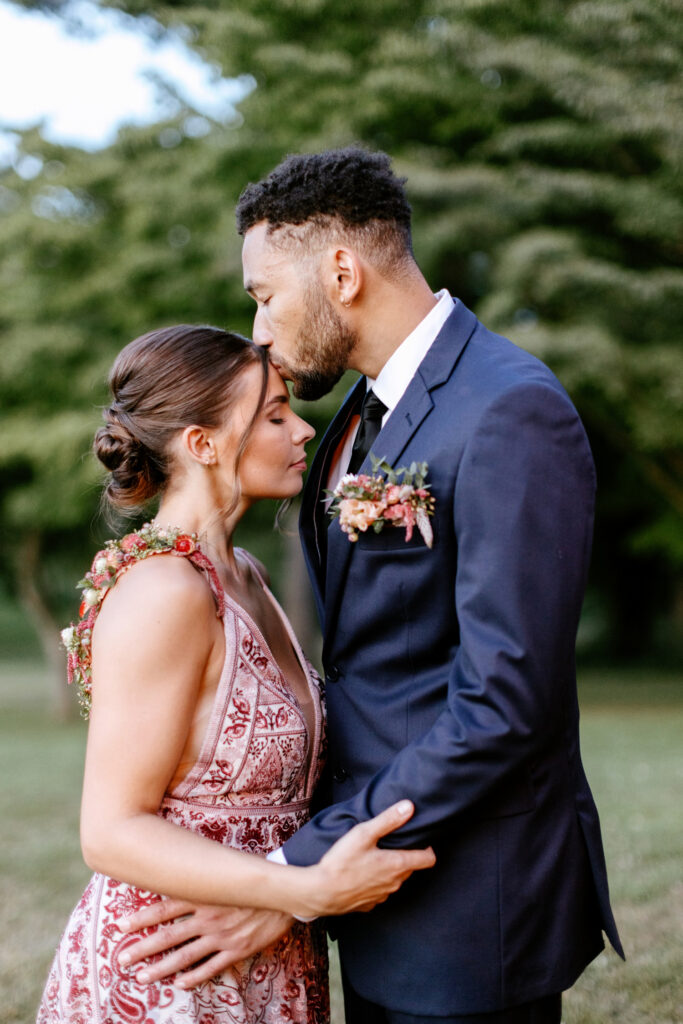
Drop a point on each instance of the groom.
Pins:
(450, 670)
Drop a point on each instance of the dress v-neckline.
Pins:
(312, 741)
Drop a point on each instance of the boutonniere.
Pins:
(389, 497)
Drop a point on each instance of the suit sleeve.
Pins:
(523, 513)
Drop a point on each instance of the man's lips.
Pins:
(281, 368)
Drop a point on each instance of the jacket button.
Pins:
(332, 673)
(341, 775)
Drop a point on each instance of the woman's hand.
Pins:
(355, 875)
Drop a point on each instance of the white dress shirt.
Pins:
(396, 374)
(390, 387)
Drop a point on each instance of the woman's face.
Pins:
(274, 459)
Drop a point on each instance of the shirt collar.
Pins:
(400, 368)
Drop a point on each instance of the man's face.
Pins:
(307, 340)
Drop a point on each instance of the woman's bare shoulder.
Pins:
(162, 587)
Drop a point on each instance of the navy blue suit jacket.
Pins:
(451, 681)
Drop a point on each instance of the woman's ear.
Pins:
(198, 444)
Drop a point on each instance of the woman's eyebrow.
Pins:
(283, 399)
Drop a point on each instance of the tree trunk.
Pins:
(33, 603)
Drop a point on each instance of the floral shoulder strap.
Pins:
(108, 566)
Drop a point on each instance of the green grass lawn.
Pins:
(632, 731)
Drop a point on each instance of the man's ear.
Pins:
(343, 275)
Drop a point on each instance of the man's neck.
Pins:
(391, 312)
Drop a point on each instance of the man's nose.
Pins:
(261, 334)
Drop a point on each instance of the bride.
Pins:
(206, 733)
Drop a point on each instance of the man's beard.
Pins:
(323, 346)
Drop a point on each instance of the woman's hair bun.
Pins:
(114, 443)
(135, 478)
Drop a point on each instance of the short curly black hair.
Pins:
(351, 187)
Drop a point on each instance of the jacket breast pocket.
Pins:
(393, 538)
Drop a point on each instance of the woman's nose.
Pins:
(304, 431)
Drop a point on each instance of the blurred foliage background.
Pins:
(541, 141)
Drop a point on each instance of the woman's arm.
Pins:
(155, 638)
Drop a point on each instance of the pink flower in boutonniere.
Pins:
(358, 514)
(394, 497)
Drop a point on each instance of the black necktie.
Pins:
(370, 425)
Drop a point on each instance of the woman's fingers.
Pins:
(388, 821)
(418, 860)
(357, 874)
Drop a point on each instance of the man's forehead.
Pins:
(255, 240)
(263, 259)
(257, 256)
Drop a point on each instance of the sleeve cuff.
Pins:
(278, 857)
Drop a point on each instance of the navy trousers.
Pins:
(360, 1011)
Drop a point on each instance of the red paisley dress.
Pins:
(249, 789)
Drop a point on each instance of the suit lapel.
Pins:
(410, 413)
(313, 520)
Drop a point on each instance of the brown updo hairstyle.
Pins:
(162, 382)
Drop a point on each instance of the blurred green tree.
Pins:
(542, 145)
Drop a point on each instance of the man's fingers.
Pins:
(161, 942)
(176, 961)
(209, 969)
(389, 820)
(156, 913)
(206, 941)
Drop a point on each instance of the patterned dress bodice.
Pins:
(250, 789)
(251, 785)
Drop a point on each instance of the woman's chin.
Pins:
(295, 489)
(282, 493)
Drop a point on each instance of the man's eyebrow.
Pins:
(252, 286)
